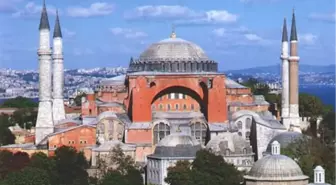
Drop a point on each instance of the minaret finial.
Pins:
(284, 31)
(293, 36)
(173, 34)
(44, 21)
(57, 29)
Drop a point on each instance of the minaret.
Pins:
(44, 123)
(285, 77)
(294, 78)
(58, 73)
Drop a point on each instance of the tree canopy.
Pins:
(119, 169)
(19, 102)
(207, 168)
(66, 167)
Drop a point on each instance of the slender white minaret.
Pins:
(285, 78)
(58, 73)
(294, 79)
(44, 123)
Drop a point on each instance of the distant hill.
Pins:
(275, 69)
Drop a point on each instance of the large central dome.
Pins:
(173, 55)
(173, 49)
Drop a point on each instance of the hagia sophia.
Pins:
(172, 102)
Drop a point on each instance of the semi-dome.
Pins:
(284, 139)
(173, 55)
(177, 145)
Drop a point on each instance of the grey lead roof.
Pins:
(284, 32)
(293, 36)
(173, 49)
(57, 29)
(44, 21)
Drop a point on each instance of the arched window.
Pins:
(248, 123)
(176, 106)
(199, 131)
(240, 125)
(239, 133)
(227, 152)
(192, 107)
(161, 106)
(247, 135)
(168, 107)
(244, 151)
(184, 106)
(161, 130)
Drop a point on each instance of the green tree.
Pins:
(207, 168)
(327, 128)
(5, 163)
(257, 88)
(25, 117)
(19, 102)
(120, 169)
(6, 136)
(179, 174)
(42, 161)
(78, 99)
(70, 166)
(310, 152)
(28, 176)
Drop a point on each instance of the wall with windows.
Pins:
(79, 137)
(175, 102)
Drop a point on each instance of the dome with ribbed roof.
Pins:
(173, 55)
(276, 167)
(173, 49)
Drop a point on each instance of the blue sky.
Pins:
(236, 33)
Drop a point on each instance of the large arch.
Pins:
(184, 90)
(145, 89)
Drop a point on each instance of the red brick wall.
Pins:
(79, 138)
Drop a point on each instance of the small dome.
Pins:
(177, 145)
(284, 139)
(235, 143)
(275, 167)
(176, 139)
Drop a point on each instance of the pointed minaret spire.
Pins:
(44, 21)
(293, 36)
(57, 29)
(284, 32)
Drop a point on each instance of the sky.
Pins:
(235, 33)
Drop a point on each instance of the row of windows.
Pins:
(198, 130)
(248, 124)
(243, 162)
(81, 142)
(228, 152)
(177, 106)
